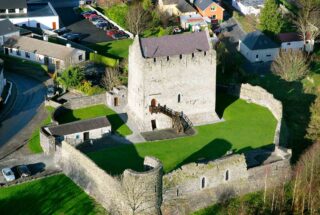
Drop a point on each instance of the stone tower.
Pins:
(177, 72)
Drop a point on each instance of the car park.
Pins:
(23, 171)
(8, 174)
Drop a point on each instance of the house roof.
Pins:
(174, 44)
(289, 37)
(40, 47)
(79, 126)
(6, 27)
(252, 3)
(257, 40)
(12, 4)
(203, 4)
(185, 7)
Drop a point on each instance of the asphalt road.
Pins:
(30, 95)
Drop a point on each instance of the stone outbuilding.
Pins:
(257, 47)
(117, 97)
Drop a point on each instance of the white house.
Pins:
(2, 80)
(7, 30)
(80, 131)
(19, 12)
(55, 56)
(176, 7)
(193, 22)
(257, 47)
(248, 7)
(291, 41)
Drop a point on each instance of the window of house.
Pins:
(257, 56)
(18, 52)
(154, 60)
(226, 177)
(167, 58)
(214, 17)
(21, 10)
(12, 10)
(80, 57)
(203, 182)
(213, 8)
(77, 136)
(27, 54)
(2, 10)
(181, 56)
(288, 44)
(205, 53)
(268, 55)
(192, 55)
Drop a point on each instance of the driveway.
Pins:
(77, 24)
(30, 95)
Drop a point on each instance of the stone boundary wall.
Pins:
(112, 192)
(260, 96)
(85, 101)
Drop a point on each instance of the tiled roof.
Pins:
(257, 40)
(289, 37)
(203, 4)
(174, 44)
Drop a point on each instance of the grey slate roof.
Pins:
(253, 3)
(257, 40)
(79, 126)
(203, 4)
(174, 44)
(12, 4)
(40, 47)
(185, 7)
(6, 27)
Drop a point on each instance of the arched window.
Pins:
(203, 182)
(179, 98)
(226, 177)
(153, 102)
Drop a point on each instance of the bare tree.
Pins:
(137, 18)
(290, 65)
(111, 78)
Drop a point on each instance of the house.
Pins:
(19, 12)
(291, 41)
(2, 80)
(172, 81)
(55, 56)
(194, 22)
(210, 9)
(257, 47)
(80, 131)
(248, 7)
(176, 7)
(7, 30)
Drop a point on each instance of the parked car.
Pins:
(103, 25)
(88, 12)
(177, 30)
(111, 32)
(119, 36)
(93, 16)
(62, 31)
(73, 36)
(96, 21)
(8, 174)
(23, 171)
(88, 15)
(50, 92)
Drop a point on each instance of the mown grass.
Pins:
(34, 140)
(95, 111)
(52, 195)
(248, 23)
(246, 127)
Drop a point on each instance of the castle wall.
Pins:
(192, 78)
(114, 193)
(85, 101)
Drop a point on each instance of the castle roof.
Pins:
(174, 44)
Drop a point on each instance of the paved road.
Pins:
(30, 95)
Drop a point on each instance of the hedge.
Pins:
(96, 58)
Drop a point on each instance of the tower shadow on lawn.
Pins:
(213, 150)
(223, 100)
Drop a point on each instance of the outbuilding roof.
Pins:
(257, 40)
(13, 4)
(203, 4)
(40, 47)
(289, 37)
(79, 126)
(6, 27)
(252, 3)
(174, 44)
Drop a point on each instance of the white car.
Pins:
(8, 174)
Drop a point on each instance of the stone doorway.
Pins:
(116, 101)
(86, 136)
(153, 124)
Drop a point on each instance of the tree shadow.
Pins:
(213, 150)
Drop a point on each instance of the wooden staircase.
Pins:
(180, 121)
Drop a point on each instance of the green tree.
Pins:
(313, 130)
(271, 20)
(71, 77)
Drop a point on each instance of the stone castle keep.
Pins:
(172, 74)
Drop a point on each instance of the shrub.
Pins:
(107, 61)
(87, 88)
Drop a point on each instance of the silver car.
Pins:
(8, 174)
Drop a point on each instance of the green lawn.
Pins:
(118, 49)
(34, 141)
(96, 111)
(247, 126)
(52, 195)
(117, 13)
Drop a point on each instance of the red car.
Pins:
(92, 16)
(111, 32)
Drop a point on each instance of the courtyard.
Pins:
(246, 126)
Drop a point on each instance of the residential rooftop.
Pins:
(13, 4)
(257, 40)
(34, 10)
(6, 27)
(171, 45)
(40, 47)
(203, 4)
(289, 37)
(252, 3)
(78, 126)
